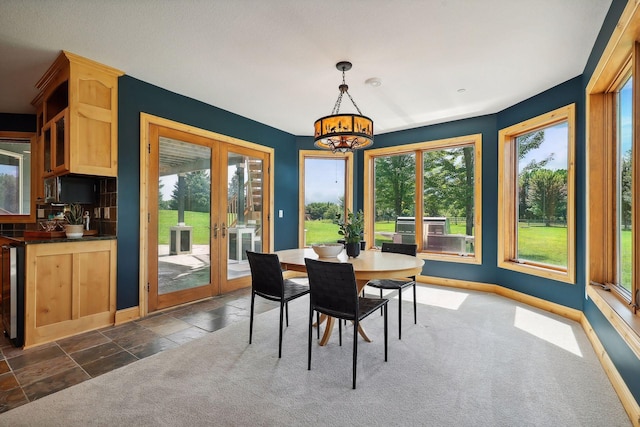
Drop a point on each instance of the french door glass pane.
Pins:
(324, 194)
(625, 176)
(184, 206)
(394, 198)
(542, 195)
(245, 178)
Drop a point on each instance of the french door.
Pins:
(205, 209)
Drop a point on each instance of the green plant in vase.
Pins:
(351, 228)
(74, 226)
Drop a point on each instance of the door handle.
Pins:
(215, 230)
(224, 229)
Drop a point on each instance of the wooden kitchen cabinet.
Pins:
(70, 288)
(78, 117)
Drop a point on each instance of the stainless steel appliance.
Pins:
(13, 278)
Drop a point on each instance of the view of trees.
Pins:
(8, 191)
(626, 196)
(197, 192)
(542, 192)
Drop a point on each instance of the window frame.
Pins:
(417, 149)
(348, 194)
(508, 200)
(28, 137)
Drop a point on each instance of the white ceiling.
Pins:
(273, 61)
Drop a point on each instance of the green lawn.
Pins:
(198, 220)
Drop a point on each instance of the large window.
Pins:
(16, 201)
(613, 176)
(438, 182)
(325, 186)
(536, 196)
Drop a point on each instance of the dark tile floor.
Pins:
(27, 375)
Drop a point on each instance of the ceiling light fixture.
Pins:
(343, 132)
(373, 82)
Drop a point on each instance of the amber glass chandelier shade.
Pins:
(343, 132)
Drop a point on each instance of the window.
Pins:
(613, 175)
(325, 186)
(536, 231)
(613, 180)
(438, 181)
(16, 197)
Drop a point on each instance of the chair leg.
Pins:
(381, 298)
(415, 310)
(280, 335)
(286, 308)
(310, 335)
(399, 313)
(355, 350)
(253, 297)
(385, 332)
(340, 331)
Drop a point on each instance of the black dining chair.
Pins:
(267, 281)
(398, 284)
(334, 292)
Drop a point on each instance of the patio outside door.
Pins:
(206, 209)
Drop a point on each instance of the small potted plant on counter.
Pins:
(351, 228)
(74, 227)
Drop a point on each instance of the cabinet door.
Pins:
(55, 150)
(60, 142)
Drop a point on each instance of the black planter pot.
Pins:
(353, 249)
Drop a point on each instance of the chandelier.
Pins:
(343, 132)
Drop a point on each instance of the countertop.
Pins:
(18, 238)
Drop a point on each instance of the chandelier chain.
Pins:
(344, 88)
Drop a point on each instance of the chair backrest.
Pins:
(400, 248)
(333, 288)
(266, 273)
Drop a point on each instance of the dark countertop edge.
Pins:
(22, 241)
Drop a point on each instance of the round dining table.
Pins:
(370, 264)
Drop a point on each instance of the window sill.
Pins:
(467, 259)
(619, 315)
(538, 271)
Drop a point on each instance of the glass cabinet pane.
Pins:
(60, 132)
(46, 146)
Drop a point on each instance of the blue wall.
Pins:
(134, 97)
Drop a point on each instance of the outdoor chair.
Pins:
(399, 284)
(267, 281)
(334, 292)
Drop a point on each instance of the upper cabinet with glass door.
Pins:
(77, 113)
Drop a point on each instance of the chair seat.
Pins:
(293, 289)
(366, 306)
(390, 283)
(369, 305)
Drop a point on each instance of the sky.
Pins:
(555, 143)
(324, 180)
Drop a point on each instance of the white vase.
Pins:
(74, 231)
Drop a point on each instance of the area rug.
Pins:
(473, 359)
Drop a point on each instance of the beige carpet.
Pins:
(473, 359)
